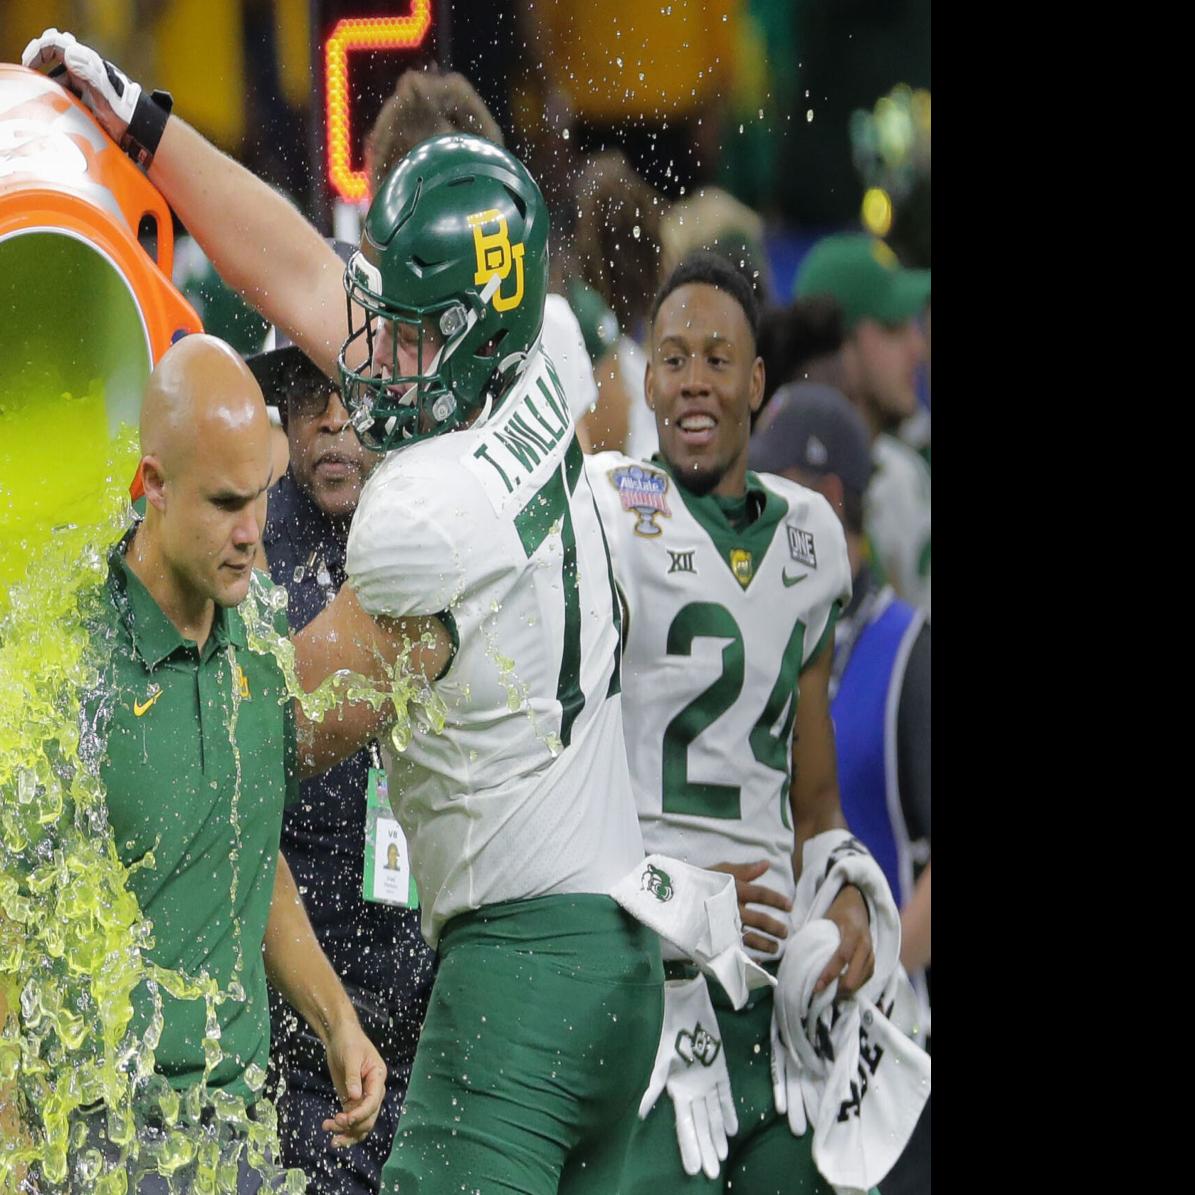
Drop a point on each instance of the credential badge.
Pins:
(642, 491)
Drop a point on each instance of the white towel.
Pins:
(863, 1081)
(698, 912)
(835, 858)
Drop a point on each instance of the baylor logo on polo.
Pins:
(700, 1045)
(495, 255)
(242, 682)
(658, 883)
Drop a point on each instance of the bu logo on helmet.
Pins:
(495, 255)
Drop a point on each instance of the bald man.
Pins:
(198, 756)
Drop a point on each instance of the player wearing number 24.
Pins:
(725, 685)
(476, 562)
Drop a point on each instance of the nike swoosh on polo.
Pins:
(139, 707)
(790, 581)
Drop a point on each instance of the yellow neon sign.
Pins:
(348, 35)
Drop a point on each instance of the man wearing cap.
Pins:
(375, 947)
(879, 689)
(884, 347)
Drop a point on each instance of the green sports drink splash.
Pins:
(73, 940)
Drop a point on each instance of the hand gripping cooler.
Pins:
(86, 304)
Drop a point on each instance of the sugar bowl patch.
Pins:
(641, 491)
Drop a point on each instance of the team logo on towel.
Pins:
(642, 491)
(742, 565)
(700, 1045)
(800, 545)
(658, 883)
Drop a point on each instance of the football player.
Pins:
(478, 586)
(730, 584)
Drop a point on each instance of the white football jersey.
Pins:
(525, 791)
(564, 342)
(719, 625)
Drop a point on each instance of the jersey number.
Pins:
(548, 507)
(768, 741)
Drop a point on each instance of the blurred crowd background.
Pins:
(797, 109)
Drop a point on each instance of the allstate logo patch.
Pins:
(642, 491)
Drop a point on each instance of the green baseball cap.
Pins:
(866, 278)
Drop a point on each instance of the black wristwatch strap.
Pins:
(145, 130)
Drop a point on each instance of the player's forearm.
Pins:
(915, 924)
(295, 963)
(342, 732)
(345, 637)
(815, 812)
(259, 243)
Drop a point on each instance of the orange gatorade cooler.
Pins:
(86, 306)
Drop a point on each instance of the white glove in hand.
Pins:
(132, 119)
(691, 1067)
(108, 92)
(786, 1084)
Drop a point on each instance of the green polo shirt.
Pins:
(208, 803)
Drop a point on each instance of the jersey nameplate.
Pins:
(522, 443)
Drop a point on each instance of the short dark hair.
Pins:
(816, 328)
(712, 269)
(617, 241)
(852, 510)
(790, 337)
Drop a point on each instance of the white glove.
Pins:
(691, 1067)
(786, 1084)
(131, 118)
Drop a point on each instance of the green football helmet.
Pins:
(455, 245)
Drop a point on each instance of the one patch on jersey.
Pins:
(641, 492)
(681, 562)
(800, 545)
(742, 565)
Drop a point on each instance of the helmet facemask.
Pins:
(454, 262)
